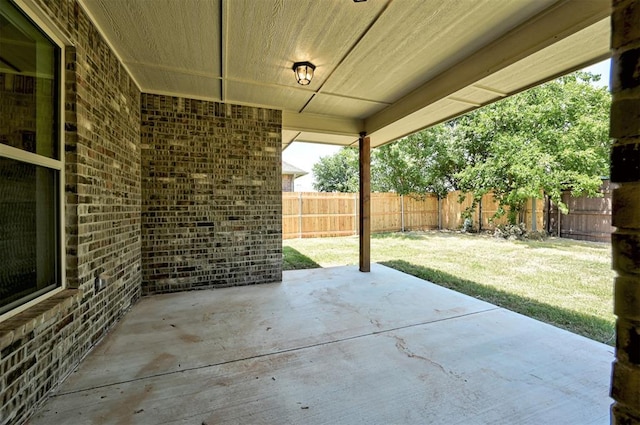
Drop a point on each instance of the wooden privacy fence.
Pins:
(588, 218)
(320, 214)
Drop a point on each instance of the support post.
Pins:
(625, 171)
(365, 202)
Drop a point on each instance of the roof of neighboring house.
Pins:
(290, 169)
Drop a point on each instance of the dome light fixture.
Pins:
(304, 72)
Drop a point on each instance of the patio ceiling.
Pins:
(387, 67)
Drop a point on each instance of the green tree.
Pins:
(391, 170)
(422, 163)
(338, 172)
(550, 138)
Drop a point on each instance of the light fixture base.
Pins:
(303, 72)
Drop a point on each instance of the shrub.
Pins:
(467, 226)
(518, 232)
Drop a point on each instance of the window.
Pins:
(30, 162)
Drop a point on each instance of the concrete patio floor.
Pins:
(334, 346)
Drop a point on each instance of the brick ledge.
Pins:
(23, 323)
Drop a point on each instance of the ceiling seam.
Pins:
(175, 70)
(207, 98)
(307, 103)
(301, 89)
(344, 96)
(288, 143)
(489, 90)
(223, 50)
(350, 50)
(465, 101)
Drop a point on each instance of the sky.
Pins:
(305, 155)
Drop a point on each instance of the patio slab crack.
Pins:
(278, 352)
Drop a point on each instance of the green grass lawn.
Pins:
(560, 281)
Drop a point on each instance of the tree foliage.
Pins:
(419, 164)
(550, 138)
(338, 172)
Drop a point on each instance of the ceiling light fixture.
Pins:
(304, 72)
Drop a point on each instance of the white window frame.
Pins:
(42, 21)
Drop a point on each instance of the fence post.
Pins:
(439, 213)
(355, 213)
(300, 215)
(534, 219)
(402, 212)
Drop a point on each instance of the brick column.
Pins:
(625, 241)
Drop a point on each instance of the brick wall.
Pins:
(212, 204)
(43, 344)
(194, 199)
(287, 182)
(625, 241)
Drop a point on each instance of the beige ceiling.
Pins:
(387, 67)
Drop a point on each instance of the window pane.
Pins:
(28, 85)
(28, 217)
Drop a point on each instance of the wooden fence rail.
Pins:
(319, 214)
